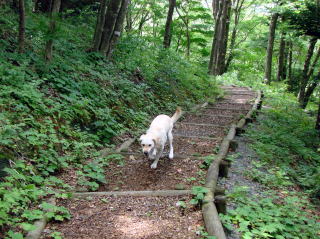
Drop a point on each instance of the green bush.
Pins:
(58, 115)
(272, 215)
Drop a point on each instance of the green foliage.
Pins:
(286, 139)
(55, 212)
(272, 216)
(204, 235)
(57, 116)
(304, 16)
(274, 177)
(19, 195)
(199, 193)
(207, 160)
(92, 174)
(56, 235)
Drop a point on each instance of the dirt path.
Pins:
(196, 134)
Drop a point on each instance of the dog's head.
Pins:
(148, 143)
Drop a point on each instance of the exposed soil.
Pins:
(235, 88)
(128, 217)
(198, 130)
(208, 119)
(239, 92)
(185, 146)
(233, 106)
(233, 113)
(155, 217)
(136, 174)
(241, 99)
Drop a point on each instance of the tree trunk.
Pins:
(285, 61)
(221, 11)
(167, 32)
(318, 121)
(217, 12)
(21, 26)
(143, 20)
(222, 57)
(281, 60)
(100, 24)
(272, 31)
(109, 24)
(290, 49)
(118, 28)
(185, 20)
(129, 19)
(308, 94)
(237, 7)
(52, 27)
(305, 75)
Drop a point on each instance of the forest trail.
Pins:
(196, 135)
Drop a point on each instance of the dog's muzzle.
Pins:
(145, 153)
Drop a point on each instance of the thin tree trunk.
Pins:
(310, 90)
(308, 94)
(318, 120)
(118, 28)
(178, 41)
(128, 19)
(99, 26)
(223, 54)
(218, 51)
(53, 14)
(186, 23)
(143, 20)
(285, 61)
(281, 59)
(109, 24)
(167, 32)
(21, 26)
(272, 31)
(217, 12)
(237, 11)
(305, 75)
(314, 64)
(290, 48)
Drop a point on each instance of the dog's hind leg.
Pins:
(170, 137)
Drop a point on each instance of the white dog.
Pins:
(159, 131)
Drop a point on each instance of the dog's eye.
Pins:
(149, 145)
(143, 145)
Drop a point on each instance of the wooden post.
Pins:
(224, 169)
(233, 145)
(221, 204)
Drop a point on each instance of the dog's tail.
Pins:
(176, 115)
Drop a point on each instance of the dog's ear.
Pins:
(141, 137)
(155, 141)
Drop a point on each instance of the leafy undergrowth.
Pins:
(287, 147)
(282, 215)
(58, 115)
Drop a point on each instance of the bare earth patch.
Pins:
(198, 130)
(128, 217)
(233, 106)
(184, 146)
(136, 174)
(208, 119)
(240, 99)
(233, 113)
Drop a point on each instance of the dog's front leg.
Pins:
(155, 163)
(157, 157)
(154, 153)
